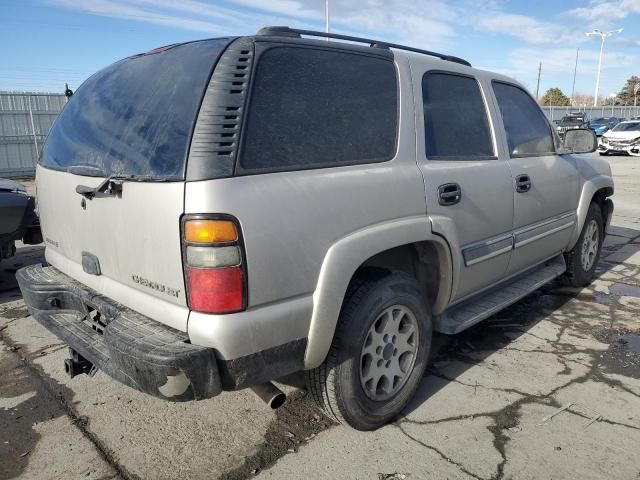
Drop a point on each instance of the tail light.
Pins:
(214, 264)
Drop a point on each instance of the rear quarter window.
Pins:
(313, 108)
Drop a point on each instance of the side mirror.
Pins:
(580, 140)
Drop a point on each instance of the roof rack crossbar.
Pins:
(295, 32)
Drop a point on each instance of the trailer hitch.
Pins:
(78, 365)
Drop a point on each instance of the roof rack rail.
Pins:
(295, 32)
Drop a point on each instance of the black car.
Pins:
(571, 121)
(18, 220)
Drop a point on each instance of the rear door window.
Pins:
(455, 118)
(528, 132)
(134, 118)
(313, 108)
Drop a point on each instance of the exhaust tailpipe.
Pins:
(270, 394)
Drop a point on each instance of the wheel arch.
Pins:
(595, 189)
(406, 245)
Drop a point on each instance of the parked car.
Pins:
(222, 213)
(623, 138)
(601, 125)
(18, 220)
(572, 121)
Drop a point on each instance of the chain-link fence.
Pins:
(622, 112)
(25, 120)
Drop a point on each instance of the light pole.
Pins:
(326, 16)
(538, 84)
(613, 102)
(575, 70)
(603, 36)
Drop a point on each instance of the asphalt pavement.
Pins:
(549, 388)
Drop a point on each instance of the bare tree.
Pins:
(582, 99)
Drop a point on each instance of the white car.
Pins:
(623, 138)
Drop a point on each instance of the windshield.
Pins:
(134, 118)
(626, 127)
(600, 120)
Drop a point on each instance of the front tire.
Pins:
(583, 259)
(379, 352)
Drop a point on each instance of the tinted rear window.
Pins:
(314, 108)
(134, 117)
(455, 118)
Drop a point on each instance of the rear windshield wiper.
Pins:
(141, 178)
(87, 171)
(93, 171)
(110, 187)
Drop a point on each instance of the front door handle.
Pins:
(449, 194)
(523, 183)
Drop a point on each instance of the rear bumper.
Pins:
(130, 347)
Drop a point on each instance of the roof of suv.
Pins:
(379, 47)
(364, 45)
(297, 33)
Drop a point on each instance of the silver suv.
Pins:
(222, 213)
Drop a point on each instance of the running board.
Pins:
(483, 305)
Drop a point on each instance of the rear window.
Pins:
(455, 118)
(313, 108)
(134, 118)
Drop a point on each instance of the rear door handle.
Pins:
(523, 183)
(449, 194)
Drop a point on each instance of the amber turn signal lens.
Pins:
(210, 231)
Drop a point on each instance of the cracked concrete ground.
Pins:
(549, 388)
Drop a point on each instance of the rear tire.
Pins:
(583, 259)
(375, 364)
